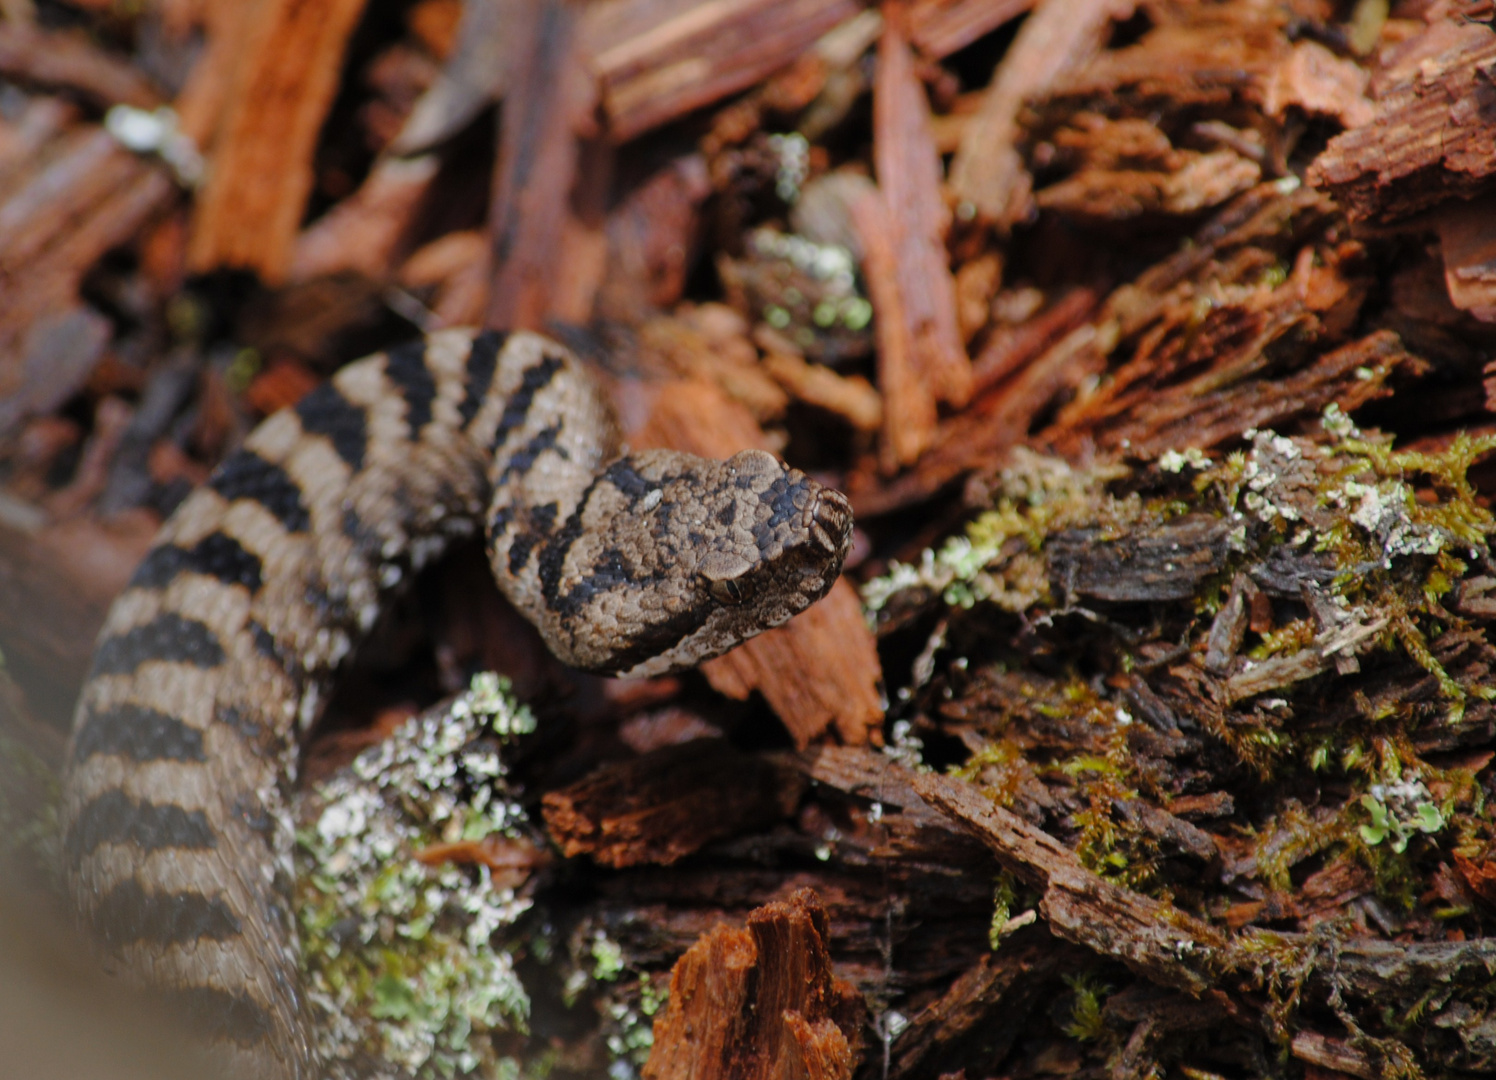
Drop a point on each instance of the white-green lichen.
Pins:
(997, 559)
(407, 960)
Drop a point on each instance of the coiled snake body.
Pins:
(213, 662)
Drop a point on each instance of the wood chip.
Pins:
(659, 59)
(666, 804)
(987, 174)
(363, 233)
(851, 397)
(758, 1003)
(938, 28)
(909, 406)
(531, 224)
(1467, 240)
(261, 170)
(68, 61)
(1429, 139)
(909, 176)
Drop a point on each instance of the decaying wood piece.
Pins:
(758, 1003)
(987, 1009)
(532, 226)
(987, 174)
(662, 806)
(818, 671)
(938, 28)
(261, 168)
(908, 404)
(1155, 939)
(364, 233)
(1430, 138)
(1051, 356)
(1210, 409)
(658, 59)
(1467, 241)
(89, 196)
(909, 178)
(29, 54)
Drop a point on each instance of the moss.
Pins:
(1378, 536)
(1086, 1022)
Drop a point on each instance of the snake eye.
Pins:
(726, 574)
(732, 592)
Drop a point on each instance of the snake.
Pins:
(216, 659)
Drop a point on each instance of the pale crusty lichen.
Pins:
(998, 559)
(406, 960)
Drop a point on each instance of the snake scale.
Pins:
(215, 659)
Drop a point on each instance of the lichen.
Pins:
(407, 960)
(998, 559)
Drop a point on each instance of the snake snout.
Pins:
(828, 519)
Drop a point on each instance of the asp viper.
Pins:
(216, 658)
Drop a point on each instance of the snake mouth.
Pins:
(828, 520)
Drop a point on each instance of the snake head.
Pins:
(673, 559)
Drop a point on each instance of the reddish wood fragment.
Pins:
(938, 28)
(1335, 1055)
(1010, 347)
(909, 176)
(1479, 877)
(728, 360)
(89, 195)
(1315, 80)
(545, 112)
(1213, 407)
(663, 806)
(1127, 168)
(652, 241)
(510, 861)
(980, 435)
(200, 105)
(821, 668)
(1430, 138)
(67, 60)
(261, 170)
(1467, 239)
(756, 1004)
(908, 405)
(1060, 35)
(364, 232)
(659, 59)
(851, 397)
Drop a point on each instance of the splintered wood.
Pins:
(758, 1003)
(909, 176)
(662, 806)
(1430, 137)
(658, 59)
(286, 74)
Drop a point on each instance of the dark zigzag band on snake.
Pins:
(213, 662)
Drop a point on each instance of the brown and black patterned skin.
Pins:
(213, 662)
